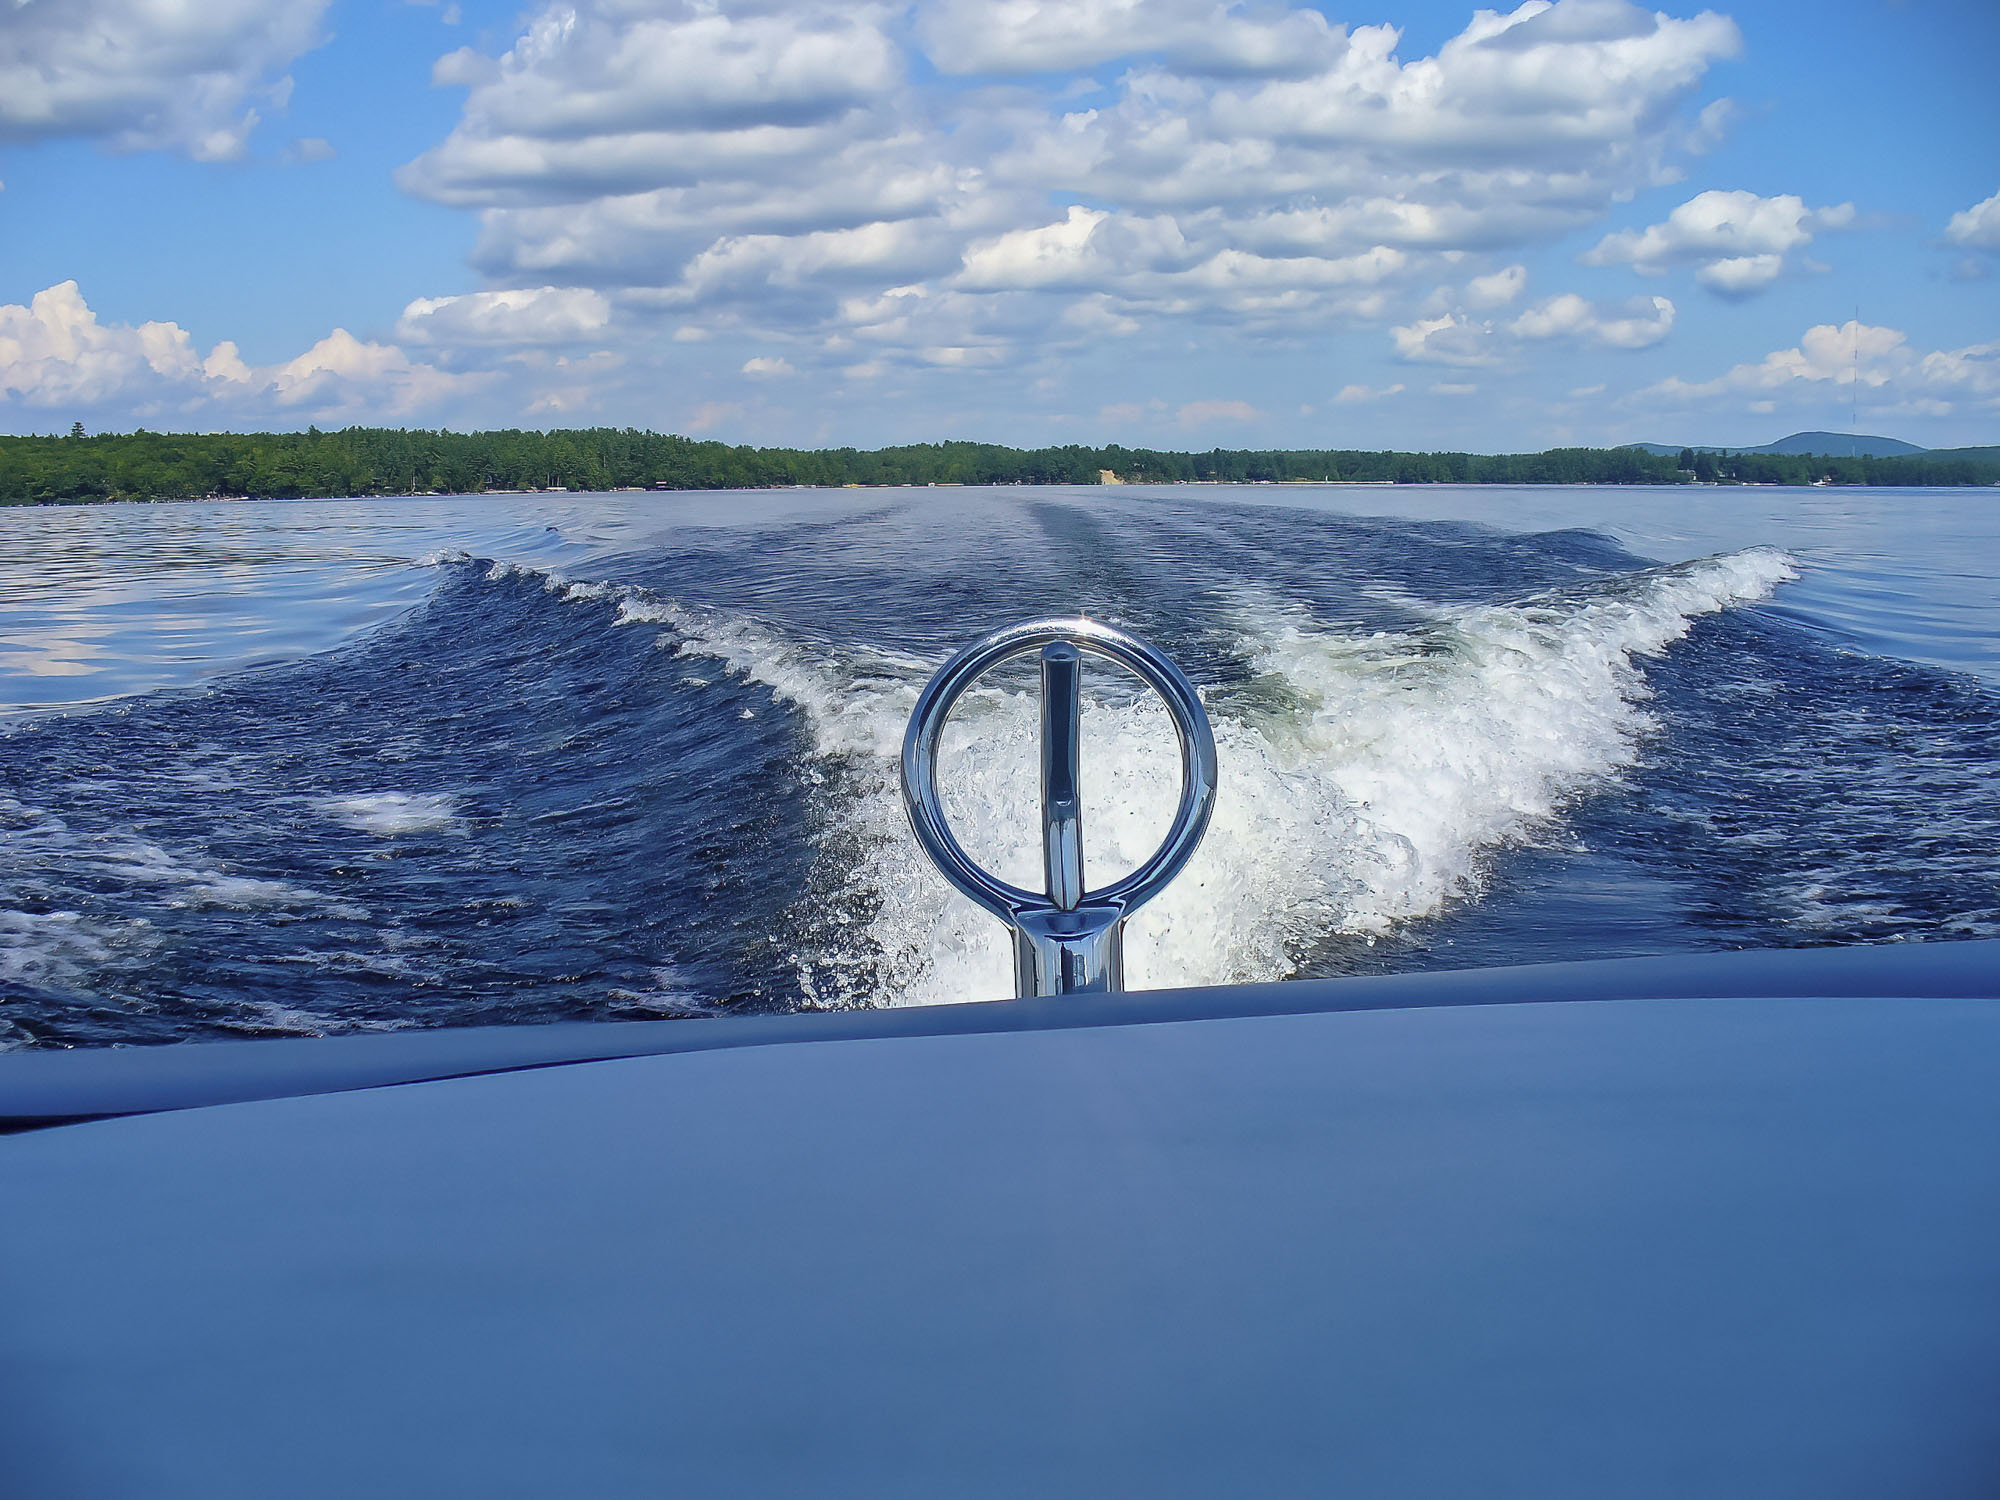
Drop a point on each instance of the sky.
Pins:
(1163, 223)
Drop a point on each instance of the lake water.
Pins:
(298, 767)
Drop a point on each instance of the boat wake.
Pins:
(584, 783)
(1364, 775)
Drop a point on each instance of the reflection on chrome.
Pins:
(1067, 939)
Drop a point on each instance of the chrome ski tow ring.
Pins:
(1067, 939)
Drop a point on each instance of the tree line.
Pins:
(393, 461)
(1809, 468)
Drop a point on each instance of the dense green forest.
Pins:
(385, 461)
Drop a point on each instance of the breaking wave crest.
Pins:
(1362, 775)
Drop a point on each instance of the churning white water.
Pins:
(1361, 776)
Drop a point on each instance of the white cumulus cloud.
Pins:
(1521, 126)
(526, 315)
(1737, 241)
(149, 74)
(1498, 289)
(1195, 36)
(53, 350)
(1047, 255)
(55, 353)
(790, 171)
(1449, 339)
(1634, 325)
(622, 96)
(1838, 361)
(1456, 337)
(1978, 227)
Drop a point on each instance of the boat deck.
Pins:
(1554, 1238)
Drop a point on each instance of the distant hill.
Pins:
(1837, 445)
(1831, 445)
(1977, 455)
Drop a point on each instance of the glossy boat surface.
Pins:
(1720, 1225)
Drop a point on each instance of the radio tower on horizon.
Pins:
(1854, 385)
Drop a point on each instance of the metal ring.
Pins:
(941, 694)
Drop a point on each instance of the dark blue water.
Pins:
(636, 758)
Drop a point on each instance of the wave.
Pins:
(1363, 776)
(47, 861)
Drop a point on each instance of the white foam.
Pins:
(50, 948)
(391, 814)
(32, 839)
(142, 863)
(1361, 775)
(667, 995)
(61, 947)
(1444, 741)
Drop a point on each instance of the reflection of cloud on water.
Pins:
(73, 648)
(103, 601)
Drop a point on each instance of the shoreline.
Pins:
(1146, 484)
(356, 462)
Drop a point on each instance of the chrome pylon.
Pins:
(1068, 939)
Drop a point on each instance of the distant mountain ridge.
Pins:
(1827, 445)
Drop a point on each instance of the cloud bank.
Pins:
(144, 75)
(732, 201)
(776, 173)
(1840, 362)
(56, 355)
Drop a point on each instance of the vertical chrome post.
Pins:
(1073, 949)
(1067, 940)
(1062, 799)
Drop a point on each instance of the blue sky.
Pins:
(1169, 223)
